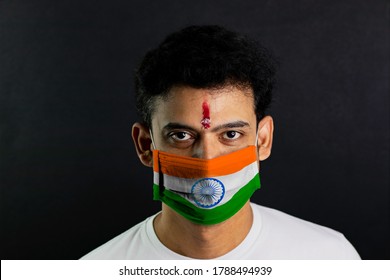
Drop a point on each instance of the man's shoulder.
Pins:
(122, 245)
(279, 220)
(282, 230)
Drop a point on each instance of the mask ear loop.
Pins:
(160, 175)
(151, 137)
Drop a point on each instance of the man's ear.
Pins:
(143, 142)
(265, 137)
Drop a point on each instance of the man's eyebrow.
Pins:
(170, 126)
(234, 124)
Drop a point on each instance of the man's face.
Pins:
(177, 125)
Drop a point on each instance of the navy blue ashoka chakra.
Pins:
(208, 192)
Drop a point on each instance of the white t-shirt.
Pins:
(274, 235)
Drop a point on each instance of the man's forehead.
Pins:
(190, 94)
(204, 107)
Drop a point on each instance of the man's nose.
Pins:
(207, 149)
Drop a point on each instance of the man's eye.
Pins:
(231, 135)
(180, 136)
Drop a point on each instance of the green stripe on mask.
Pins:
(212, 216)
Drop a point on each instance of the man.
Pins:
(202, 95)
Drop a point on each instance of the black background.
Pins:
(70, 178)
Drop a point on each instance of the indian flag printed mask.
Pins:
(206, 191)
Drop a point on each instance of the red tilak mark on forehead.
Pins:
(206, 115)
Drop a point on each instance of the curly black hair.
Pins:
(207, 56)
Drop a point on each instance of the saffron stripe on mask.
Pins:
(188, 167)
(207, 216)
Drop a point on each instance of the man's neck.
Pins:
(199, 241)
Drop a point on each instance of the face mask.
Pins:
(206, 191)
